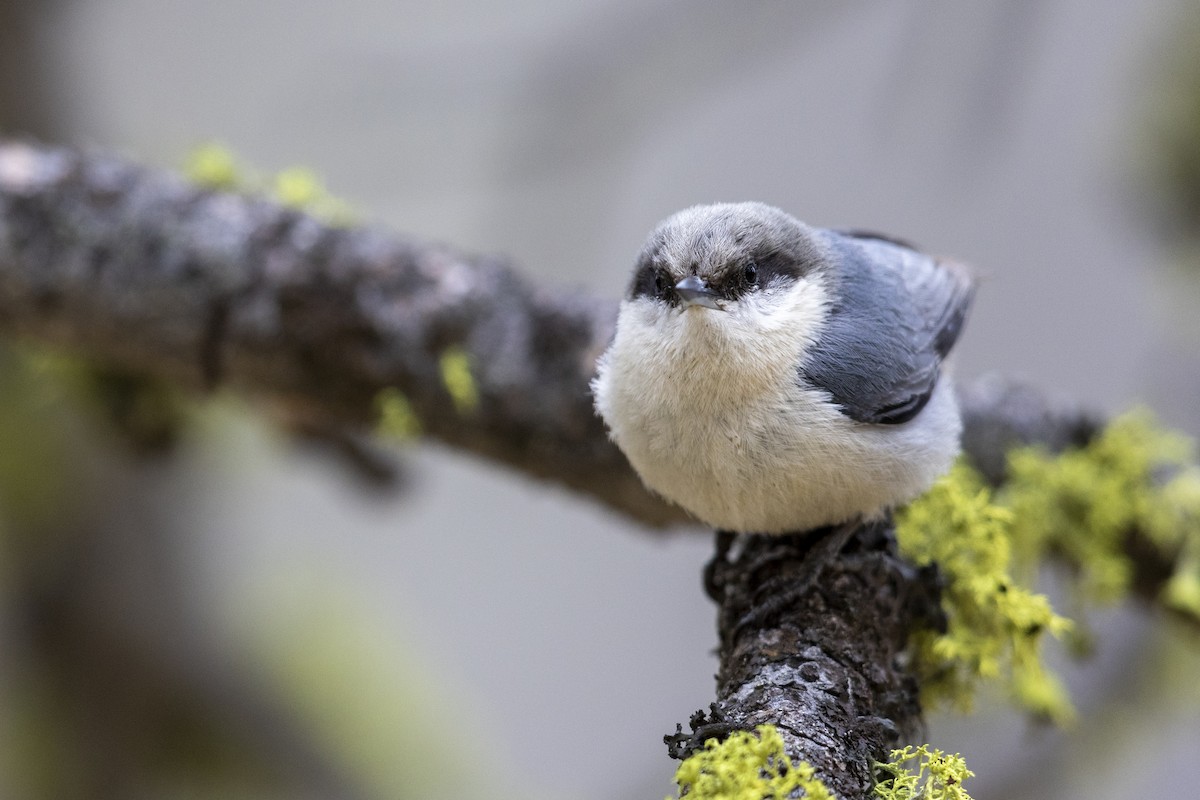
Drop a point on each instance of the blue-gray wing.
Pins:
(894, 315)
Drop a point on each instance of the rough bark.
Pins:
(146, 271)
(813, 630)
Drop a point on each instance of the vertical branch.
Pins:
(812, 629)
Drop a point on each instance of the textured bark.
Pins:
(813, 630)
(148, 272)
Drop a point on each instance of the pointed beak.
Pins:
(694, 291)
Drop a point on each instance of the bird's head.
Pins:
(737, 268)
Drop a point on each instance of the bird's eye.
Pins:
(662, 284)
(750, 271)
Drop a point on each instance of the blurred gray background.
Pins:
(562, 640)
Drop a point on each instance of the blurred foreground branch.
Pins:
(145, 271)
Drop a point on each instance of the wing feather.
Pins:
(895, 317)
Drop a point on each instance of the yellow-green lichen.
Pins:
(300, 188)
(1085, 503)
(455, 366)
(396, 416)
(747, 766)
(214, 166)
(1082, 505)
(937, 777)
(395, 413)
(1182, 590)
(995, 626)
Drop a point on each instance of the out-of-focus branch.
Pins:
(1000, 414)
(145, 271)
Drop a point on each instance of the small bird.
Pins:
(772, 377)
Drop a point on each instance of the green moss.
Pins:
(995, 626)
(747, 766)
(396, 416)
(755, 766)
(214, 166)
(1182, 591)
(455, 367)
(937, 777)
(1084, 504)
(300, 188)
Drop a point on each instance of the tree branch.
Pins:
(812, 631)
(146, 271)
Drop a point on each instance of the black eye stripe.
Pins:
(751, 270)
(653, 281)
(776, 265)
(662, 284)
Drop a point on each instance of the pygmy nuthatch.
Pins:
(772, 377)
